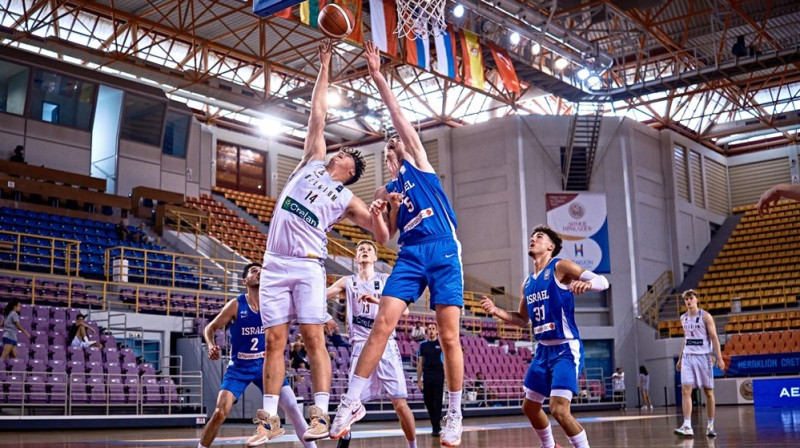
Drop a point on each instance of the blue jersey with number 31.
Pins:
(425, 212)
(551, 306)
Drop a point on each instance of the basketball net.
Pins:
(419, 18)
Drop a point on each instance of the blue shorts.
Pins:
(9, 341)
(555, 367)
(435, 264)
(237, 378)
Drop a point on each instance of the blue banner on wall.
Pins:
(777, 393)
(764, 364)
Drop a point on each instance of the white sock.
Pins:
(579, 440)
(687, 422)
(454, 401)
(546, 436)
(357, 385)
(294, 415)
(321, 400)
(412, 443)
(347, 436)
(199, 445)
(270, 403)
(711, 421)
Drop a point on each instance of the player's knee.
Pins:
(220, 414)
(560, 412)
(400, 404)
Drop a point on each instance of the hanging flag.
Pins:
(445, 44)
(473, 60)
(354, 6)
(383, 20)
(418, 50)
(505, 67)
(284, 13)
(309, 11)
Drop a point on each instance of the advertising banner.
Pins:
(581, 220)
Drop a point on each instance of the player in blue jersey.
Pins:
(430, 255)
(247, 356)
(548, 302)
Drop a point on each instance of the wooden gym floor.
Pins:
(737, 426)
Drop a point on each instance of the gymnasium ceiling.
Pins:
(667, 63)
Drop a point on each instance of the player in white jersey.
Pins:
(362, 293)
(695, 363)
(293, 277)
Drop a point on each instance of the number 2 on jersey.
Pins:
(254, 348)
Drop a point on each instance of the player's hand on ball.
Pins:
(213, 352)
(325, 51)
(395, 199)
(579, 287)
(488, 306)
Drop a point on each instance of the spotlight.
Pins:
(334, 98)
(458, 11)
(270, 126)
(514, 38)
(594, 82)
(536, 48)
(583, 74)
(561, 63)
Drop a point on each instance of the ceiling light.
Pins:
(334, 98)
(270, 126)
(536, 48)
(458, 11)
(594, 82)
(561, 63)
(514, 38)
(583, 74)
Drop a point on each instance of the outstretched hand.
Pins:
(579, 287)
(488, 305)
(373, 55)
(377, 207)
(768, 199)
(325, 51)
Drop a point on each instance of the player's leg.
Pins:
(407, 423)
(448, 318)
(686, 405)
(710, 408)
(536, 388)
(565, 361)
(288, 402)
(392, 380)
(314, 340)
(225, 401)
(351, 410)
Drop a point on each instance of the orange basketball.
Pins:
(335, 21)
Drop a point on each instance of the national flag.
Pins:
(418, 50)
(473, 60)
(354, 6)
(445, 44)
(383, 20)
(309, 11)
(284, 13)
(505, 67)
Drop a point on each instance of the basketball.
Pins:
(335, 21)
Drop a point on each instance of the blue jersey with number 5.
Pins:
(425, 212)
(247, 336)
(551, 306)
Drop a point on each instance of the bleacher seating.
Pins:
(229, 228)
(767, 342)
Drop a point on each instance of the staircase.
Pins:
(577, 158)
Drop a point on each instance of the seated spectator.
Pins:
(335, 337)
(298, 356)
(122, 230)
(418, 333)
(19, 154)
(140, 235)
(479, 386)
(78, 335)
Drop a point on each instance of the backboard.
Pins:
(266, 8)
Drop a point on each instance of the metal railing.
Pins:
(28, 252)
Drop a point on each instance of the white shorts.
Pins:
(388, 376)
(698, 371)
(292, 289)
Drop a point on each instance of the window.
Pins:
(62, 100)
(142, 119)
(13, 87)
(176, 132)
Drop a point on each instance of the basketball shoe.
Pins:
(451, 435)
(347, 413)
(684, 431)
(710, 430)
(267, 428)
(318, 425)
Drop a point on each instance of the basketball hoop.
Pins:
(419, 18)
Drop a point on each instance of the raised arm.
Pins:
(407, 133)
(224, 317)
(369, 218)
(315, 148)
(578, 279)
(519, 318)
(774, 194)
(336, 288)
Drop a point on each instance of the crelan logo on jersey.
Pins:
(292, 206)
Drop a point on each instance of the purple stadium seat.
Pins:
(39, 337)
(37, 365)
(59, 313)
(57, 352)
(132, 386)
(127, 355)
(94, 354)
(94, 367)
(38, 351)
(77, 388)
(57, 385)
(57, 366)
(151, 392)
(23, 338)
(16, 365)
(15, 387)
(116, 389)
(130, 368)
(37, 389)
(40, 324)
(58, 338)
(146, 368)
(76, 353)
(108, 341)
(112, 368)
(97, 389)
(76, 367)
(41, 311)
(59, 325)
(169, 390)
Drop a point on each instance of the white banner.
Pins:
(581, 220)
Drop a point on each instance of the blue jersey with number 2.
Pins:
(425, 211)
(551, 305)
